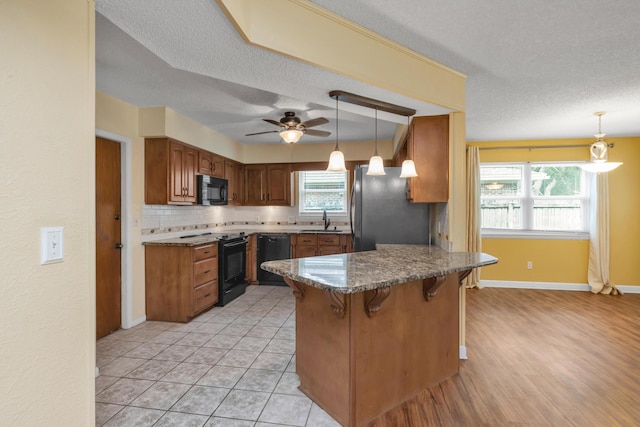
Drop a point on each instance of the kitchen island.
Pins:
(373, 329)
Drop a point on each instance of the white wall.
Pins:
(47, 312)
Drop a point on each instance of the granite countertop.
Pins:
(387, 266)
(204, 239)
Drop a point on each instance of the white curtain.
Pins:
(598, 274)
(474, 238)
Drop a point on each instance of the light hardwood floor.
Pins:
(538, 358)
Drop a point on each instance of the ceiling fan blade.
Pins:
(314, 122)
(315, 132)
(260, 133)
(273, 122)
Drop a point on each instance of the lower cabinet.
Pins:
(251, 267)
(180, 281)
(306, 245)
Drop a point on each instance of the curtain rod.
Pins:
(535, 147)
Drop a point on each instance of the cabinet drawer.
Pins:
(331, 240)
(205, 271)
(307, 240)
(329, 250)
(205, 295)
(204, 252)
(305, 251)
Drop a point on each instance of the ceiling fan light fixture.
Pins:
(291, 136)
(599, 161)
(408, 169)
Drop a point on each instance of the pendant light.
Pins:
(376, 165)
(336, 159)
(408, 167)
(599, 156)
(291, 136)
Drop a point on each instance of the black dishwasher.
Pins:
(272, 247)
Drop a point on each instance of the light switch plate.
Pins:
(51, 244)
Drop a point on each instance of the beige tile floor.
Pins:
(231, 366)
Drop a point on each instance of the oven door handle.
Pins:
(234, 244)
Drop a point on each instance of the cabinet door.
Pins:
(232, 172)
(330, 250)
(305, 251)
(189, 174)
(255, 185)
(205, 162)
(176, 176)
(218, 166)
(279, 184)
(428, 147)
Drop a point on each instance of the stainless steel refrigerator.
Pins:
(381, 213)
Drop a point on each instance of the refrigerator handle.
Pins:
(351, 212)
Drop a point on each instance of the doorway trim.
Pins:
(126, 157)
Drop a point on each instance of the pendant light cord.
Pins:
(337, 138)
(376, 127)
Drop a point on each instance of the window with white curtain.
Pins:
(322, 190)
(535, 198)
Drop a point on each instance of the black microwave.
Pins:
(212, 190)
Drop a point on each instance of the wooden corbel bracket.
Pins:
(373, 300)
(338, 303)
(463, 275)
(430, 286)
(298, 290)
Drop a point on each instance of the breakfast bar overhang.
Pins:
(374, 329)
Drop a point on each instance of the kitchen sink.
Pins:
(320, 231)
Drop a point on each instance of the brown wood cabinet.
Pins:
(210, 164)
(427, 145)
(305, 245)
(267, 184)
(170, 172)
(234, 173)
(252, 268)
(180, 281)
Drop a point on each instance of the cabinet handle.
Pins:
(206, 252)
(268, 195)
(208, 271)
(207, 295)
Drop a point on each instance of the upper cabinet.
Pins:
(234, 173)
(267, 184)
(170, 172)
(210, 164)
(427, 145)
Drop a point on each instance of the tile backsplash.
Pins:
(163, 219)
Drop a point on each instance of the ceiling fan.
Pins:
(292, 128)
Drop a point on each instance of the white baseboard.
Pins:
(135, 322)
(463, 352)
(552, 286)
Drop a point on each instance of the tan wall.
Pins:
(47, 312)
(567, 261)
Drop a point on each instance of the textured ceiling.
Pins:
(534, 69)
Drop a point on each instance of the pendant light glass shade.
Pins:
(376, 165)
(291, 136)
(599, 152)
(336, 159)
(408, 169)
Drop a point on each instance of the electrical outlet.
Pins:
(291, 220)
(530, 265)
(257, 220)
(51, 244)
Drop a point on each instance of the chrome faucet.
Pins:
(327, 222)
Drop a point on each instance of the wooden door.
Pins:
(279, 184)
(108, 229)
